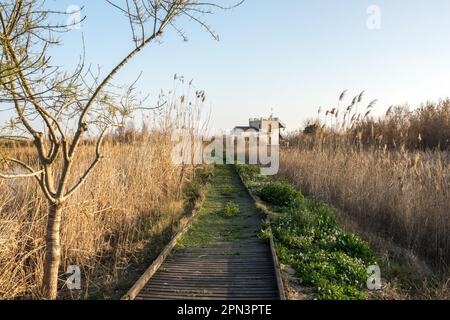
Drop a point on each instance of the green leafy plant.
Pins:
(279, 194)
(324, 257)
(265, 232)
(231, 209)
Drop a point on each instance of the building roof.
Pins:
(250, 127)
(244, 128)
(282, 125)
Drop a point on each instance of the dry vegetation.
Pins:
(390, 178)
(128, 203)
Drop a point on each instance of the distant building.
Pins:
(261, 125)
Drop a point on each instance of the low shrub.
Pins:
(248, 172)
(279, 194)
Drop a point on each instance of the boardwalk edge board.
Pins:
(276, 262)
(150, 272)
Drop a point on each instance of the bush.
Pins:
(280, 194)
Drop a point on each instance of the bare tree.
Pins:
(55, 109)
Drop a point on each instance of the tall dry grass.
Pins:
(127, 204)
(427, 127)
(389, 176)
(126, 211)
(403, 197)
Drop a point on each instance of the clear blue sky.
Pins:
(289, 55)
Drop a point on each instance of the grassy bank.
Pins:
(332, 262)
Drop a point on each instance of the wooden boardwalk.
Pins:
(220, 258)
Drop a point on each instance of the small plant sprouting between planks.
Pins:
(308, 238)
(265, 232)
(231, 209)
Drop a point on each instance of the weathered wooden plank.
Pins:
(255, 286)
(175, 297)
(211, 282)
(208, 260)
(226, 275)
(223, 297)
(211, 291)
(247, 277)
(218, 284)
(189, 295)
(220, 266)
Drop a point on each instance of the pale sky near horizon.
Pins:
(291, 56)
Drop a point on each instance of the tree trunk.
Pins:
(53, 252)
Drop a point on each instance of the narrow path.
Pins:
(221, 257)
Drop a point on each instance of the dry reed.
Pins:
(390, 177)
(129, 200)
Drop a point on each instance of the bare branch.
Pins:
(98, 158)
(19, 176)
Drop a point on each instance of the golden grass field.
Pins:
(403, 196)
(130, 202)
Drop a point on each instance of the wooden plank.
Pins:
(168, 269)
(208, 291)
(189, 295)
(175, 297)
(224, 284)
(247, 281)
(225, 263)
(257, 259)
(200, 281)
(222, 265)
(248, 277)
(222, 297)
